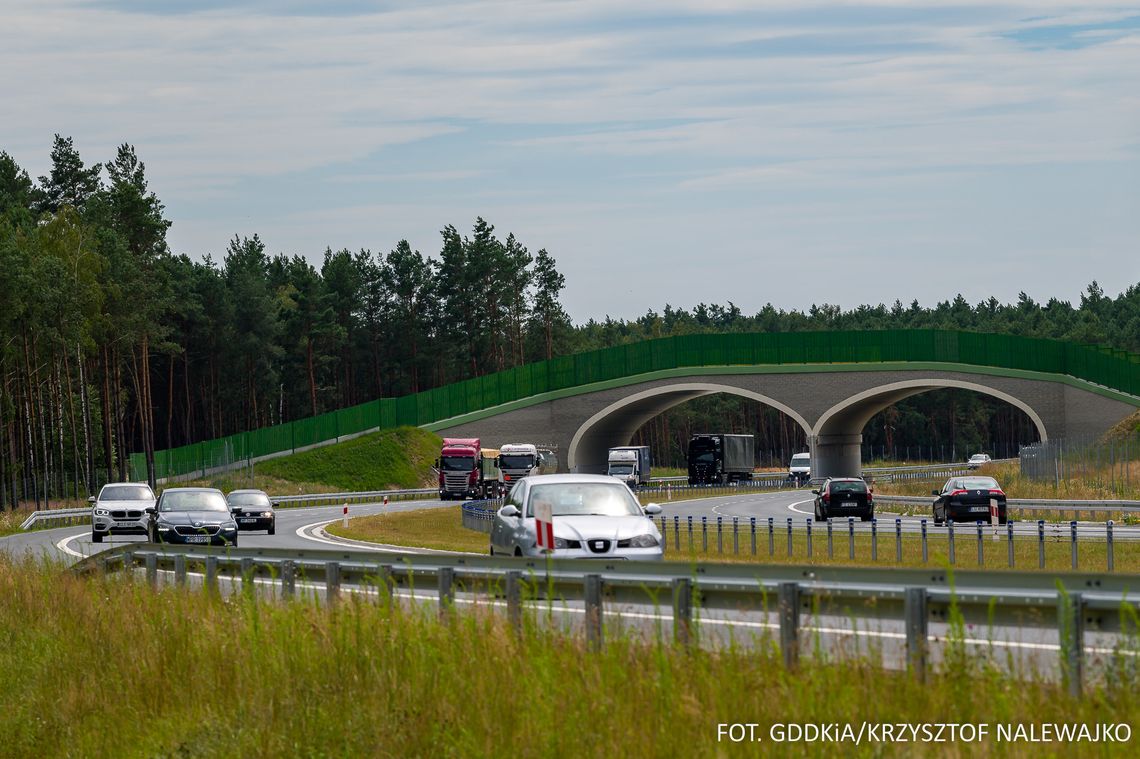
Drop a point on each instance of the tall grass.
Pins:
(108, 667)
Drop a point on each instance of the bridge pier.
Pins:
(836, 455)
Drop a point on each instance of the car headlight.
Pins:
(267, 514)
(163, 528)
(102, 512)
(559, 543)
(643, 541)
(230, 526)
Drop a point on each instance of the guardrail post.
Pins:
(288, 578)
(593, 594)
(689, 519)
(789, 607)
(752, 525)
(719, 535)
(925, 554)
(332, 581)
(446, 591)
(180, 570)
(1040, 543)
(851, 538)
(1108, 543)
(705, 534)
(152, 570)
(514, 600)
(247, 575)
(771, 536)
(1071, 629)
(385, 583)
(898, 540)
(809, 538)
(789, 536)
(981, 555)
(735, 535)
(830, 542)
(664, 531)
(950, 536)
(874, 539)
(917, 623)
(1009, 539)
(212, 574)
(1073, 534)
(677, 532)
(682, 611)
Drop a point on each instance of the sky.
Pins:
(663, 151)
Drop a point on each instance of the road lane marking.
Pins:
(65, 546)
(792, 507)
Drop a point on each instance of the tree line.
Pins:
(110, 342)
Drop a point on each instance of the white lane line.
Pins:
(65, 546)
(792, 507)
(302, 532)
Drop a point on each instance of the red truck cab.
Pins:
(460, 467)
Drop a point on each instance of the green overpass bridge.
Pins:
(829, 383)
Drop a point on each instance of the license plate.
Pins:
(248, 521)
(849, 504)
(981, 509)
(126, 524)
(197, 538)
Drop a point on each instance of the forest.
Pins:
(112, 343)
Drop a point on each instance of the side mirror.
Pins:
(436, 464)
(815, 492)
(151, 510)
(235, 509)
(497, 464)
(275, 505)
(90, 499)
(935, 492)
(652, 508)
(508, 511)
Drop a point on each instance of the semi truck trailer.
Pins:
(719, 458)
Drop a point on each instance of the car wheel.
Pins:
(234, 543)
(518, 551)
(272, 528)
(96, 537)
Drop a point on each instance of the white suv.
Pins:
(120, 509)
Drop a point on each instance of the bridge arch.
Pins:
(616, 423)
(837, 435)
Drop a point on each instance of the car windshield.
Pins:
(516, 461)
(977, 483)
(457, 463)
(248, 499)
(193, 500)
(621, 468)
(979, 457)
(126, 493)
(849, 487)
(569, 499)
(801, 459)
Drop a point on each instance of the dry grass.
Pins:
(106, 667)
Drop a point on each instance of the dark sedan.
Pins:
(253, 510)
(192, 515)
(844, 497)
(967, 499)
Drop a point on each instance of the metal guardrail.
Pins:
(1068, 602)
(478, 515)
(55, 515)
(367, 496)
(1031, 504)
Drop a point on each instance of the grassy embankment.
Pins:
(195, 675)
(442, 529)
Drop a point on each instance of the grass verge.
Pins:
(185, 673)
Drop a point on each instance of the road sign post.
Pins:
(544, 525)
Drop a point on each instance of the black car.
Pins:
(844, 497)
(967, 499)
(253, 510)
(192, 515)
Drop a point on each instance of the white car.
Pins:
(977, 460)
(594, 517)
(120, 509)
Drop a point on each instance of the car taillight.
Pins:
(826, 497)
(997, 491)
(959, 492)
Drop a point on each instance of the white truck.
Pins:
(630, 464)
(800, 468)
(518, 460)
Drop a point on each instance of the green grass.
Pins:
(396, 458)
(183, 673)
(442, 529)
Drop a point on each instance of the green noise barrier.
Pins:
(1113, 369)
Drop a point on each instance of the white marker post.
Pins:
(544, 525)
(994, 517)
(346, 514)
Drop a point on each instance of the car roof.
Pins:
(846, 479)
(247, 490)
(553, 479)
(192, 490)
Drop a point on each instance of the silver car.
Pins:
(594, 517)
(120, 509)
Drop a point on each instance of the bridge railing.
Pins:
(1035, 603)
